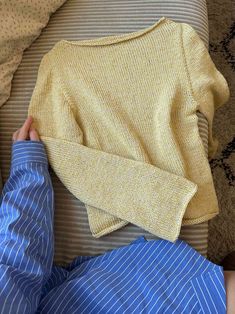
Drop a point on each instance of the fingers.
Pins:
(15, 134)
(33, 134)
(26, 132)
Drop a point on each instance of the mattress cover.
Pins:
(77, 20)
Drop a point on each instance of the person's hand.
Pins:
(26, 132)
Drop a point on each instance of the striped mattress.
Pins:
(77, 20)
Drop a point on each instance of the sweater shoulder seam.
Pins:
(60, 81)
(186, 68)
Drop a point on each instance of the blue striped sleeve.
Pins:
(28, 151)
(26, 229)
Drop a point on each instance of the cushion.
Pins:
(21, 23)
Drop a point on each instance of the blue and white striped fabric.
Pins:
(153, 276)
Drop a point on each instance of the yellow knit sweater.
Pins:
(118, 118)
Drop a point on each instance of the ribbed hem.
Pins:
(180, 198)
(199, 220)
(108, 229)
(168, 229)
(28, 151)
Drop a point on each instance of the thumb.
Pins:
(33, 134)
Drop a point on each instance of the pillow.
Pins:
(21, 23)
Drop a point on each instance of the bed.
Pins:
(77, 20)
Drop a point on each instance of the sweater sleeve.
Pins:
(131, 190)
(209, 88)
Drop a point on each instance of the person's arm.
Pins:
(229, 279)
(26, 226)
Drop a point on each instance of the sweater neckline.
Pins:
(108, 40)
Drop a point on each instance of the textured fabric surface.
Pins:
(119, 122)
(26, 238)
(143, 277)
(21, 23)
(77, 20)
(153, 276)
(222, 32)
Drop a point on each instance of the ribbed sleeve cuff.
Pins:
(28, 151)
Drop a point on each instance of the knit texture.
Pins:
(118, 118)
